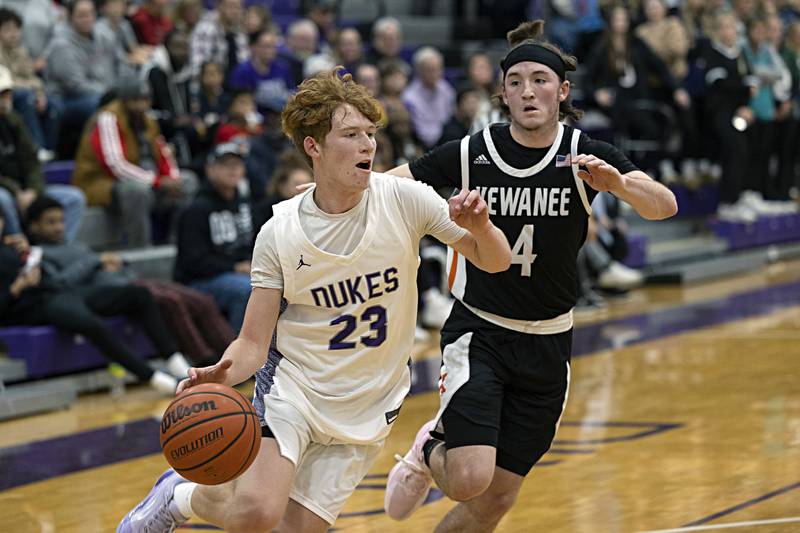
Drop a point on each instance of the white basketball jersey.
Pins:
(348, 330)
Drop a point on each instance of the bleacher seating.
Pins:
(48, 352)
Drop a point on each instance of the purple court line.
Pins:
(748, 503)
(45, 459)
(59, 456)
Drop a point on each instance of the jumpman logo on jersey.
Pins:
(302, 263)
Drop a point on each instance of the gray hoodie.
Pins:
(77, 66)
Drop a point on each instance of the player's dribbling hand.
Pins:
(468, 210)
(209, 374)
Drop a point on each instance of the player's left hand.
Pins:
(468, 210)
(598, 174)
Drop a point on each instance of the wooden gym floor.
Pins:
(684, 415)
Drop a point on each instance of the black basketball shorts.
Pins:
(501, 388)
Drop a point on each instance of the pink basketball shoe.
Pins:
(410, 480)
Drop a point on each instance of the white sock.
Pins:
(163, 382)
(177, 365)
(183, 498)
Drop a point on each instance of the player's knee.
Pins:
(465, 482)
(253, 517)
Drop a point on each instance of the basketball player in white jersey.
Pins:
(507, 343)
(334, 276)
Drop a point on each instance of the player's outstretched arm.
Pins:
(649, 198)
(249, 351)
(485, 246)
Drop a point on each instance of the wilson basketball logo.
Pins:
(180, 412)
(197, 444)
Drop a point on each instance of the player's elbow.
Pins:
(668, 207)
(499, 262)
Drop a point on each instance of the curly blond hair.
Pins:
(309, 112)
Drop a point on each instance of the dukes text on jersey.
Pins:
(357, 289)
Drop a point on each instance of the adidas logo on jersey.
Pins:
(481, 160)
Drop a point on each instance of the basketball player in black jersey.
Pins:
(506, 345)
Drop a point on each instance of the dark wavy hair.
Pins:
(532, 32)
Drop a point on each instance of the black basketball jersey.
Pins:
(543, 210)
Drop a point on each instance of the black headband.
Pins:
(536, 53)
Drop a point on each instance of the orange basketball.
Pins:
(210, 434)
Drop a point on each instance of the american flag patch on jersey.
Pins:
(563, 160)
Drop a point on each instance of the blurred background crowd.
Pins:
(166, 114)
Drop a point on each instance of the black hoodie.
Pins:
(213, 235)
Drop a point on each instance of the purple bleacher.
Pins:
(284, 21)
(637, 251)
(59, 172)
(49, 352)
(696, 202)
(766, 230)
(279, 7)
(453, 75)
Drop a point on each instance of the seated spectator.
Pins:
(40, 19)
(369, 76)
(429, 98)
(730, 85)
(113, 27)
(152, 22)
(291, 172)
(323, 14)
(611, 232)
(401, 134)
(81, 68)
(666, 36)
(481, 73)
(257, 18)
(220, 37)
(387, 42)
(209, 102)
(30, 99)
(301, 41)
(468, 102)
(618, 75)
(241, 122)
(768, 104)
(264, 75)
(19, 279)
(394, 80)
(124, 165)
(602, 271)
(790, 175)
(170, 79)
(193, 318)
(215, 236)
(71, 295)
(21, 179)
(348, 50)
(187, 14)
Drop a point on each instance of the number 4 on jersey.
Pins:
(522, 251)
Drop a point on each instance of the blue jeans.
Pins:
(43, 128)
(78, 109)
(230, 290)
(69, 196)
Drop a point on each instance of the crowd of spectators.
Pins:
(170, 110)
